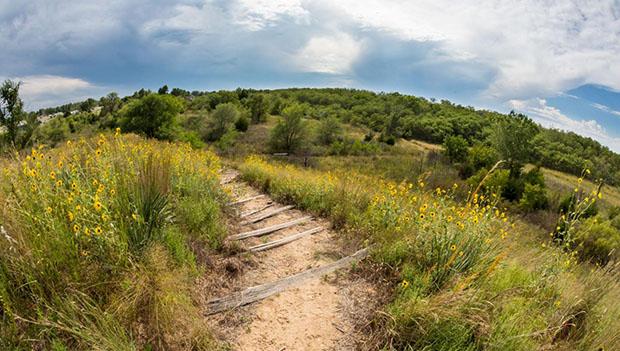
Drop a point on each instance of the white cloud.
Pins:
(258, 14)
(49, 90)
(552, 117)
(605, 109)
(539, 48)
(334, 54)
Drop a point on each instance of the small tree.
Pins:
(110, 104)
(11, 109)
(153, 115)
(163, 90)
(512, 138)
(222, 120)
(455, 148)
(289, 133)
(258, 108)
(242, 123)
(329, 131)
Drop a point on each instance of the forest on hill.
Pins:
(394, 115)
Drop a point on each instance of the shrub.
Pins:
(534, 198)
(153, 115)
(567, 205)
(597, 241)
(290, 132)
(242, 123)
(222, 120)
(329, 131)
(53, 132)
(455, 148)
(258, 108)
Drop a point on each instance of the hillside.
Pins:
(305, 218)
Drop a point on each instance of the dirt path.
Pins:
(316, 314)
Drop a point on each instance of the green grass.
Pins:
(96, 246)
(464, 276)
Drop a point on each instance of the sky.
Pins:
(556, 61)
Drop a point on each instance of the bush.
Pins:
(258, 108)
(242, 123)
(567, 205)
(455, 148)
(597, 241)
(153, 115)
(53, 132)
(534, 198)
(329, 131)
(290, 132)
(222, 120)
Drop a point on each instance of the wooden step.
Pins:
(238, 202)
(285, 240)
(271, 229)
(263, 291)
(251, 212)
(267, 215)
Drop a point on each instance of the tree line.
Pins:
(387, 115)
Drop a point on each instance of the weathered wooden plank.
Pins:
(285, 240)
(267, 230)
(267, 215)
(251, 212)
(259, 292)
(238, 202)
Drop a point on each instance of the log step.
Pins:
(271, 229)
(251, 212)
(238, 202)
(285, 240)
(267, 215)
(263, 291)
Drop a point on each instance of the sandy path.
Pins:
(317, 314)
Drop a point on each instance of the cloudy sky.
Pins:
(556, 61)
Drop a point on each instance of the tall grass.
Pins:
(78, 221)
(462, 277)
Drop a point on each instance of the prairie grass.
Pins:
(464, 275)
(93, 251)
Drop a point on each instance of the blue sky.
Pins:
(556, 61)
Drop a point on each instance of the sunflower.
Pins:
(98, 206)
(98, 231)
(453, 247)
(404, 284)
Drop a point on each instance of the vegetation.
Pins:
(289, 134)
(111, 223)
(153, 115)
(95, 249)
(461, 277)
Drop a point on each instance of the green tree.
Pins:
(110, 104)
(288, 135)
(153, 115)
(87, 105)
(222, 120)
(512, 138)
(329, 130)
(455, 148)
(242, 123)
(258, 108)
(163, 90)
(11, 109)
